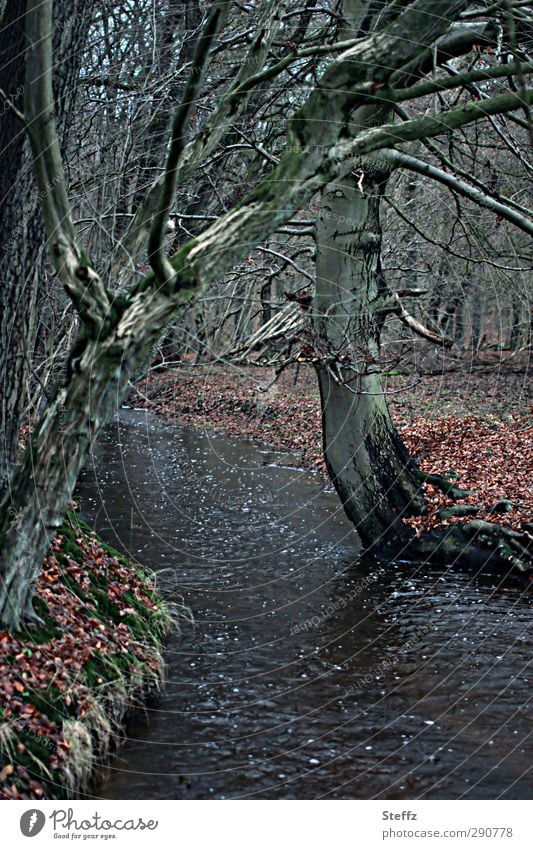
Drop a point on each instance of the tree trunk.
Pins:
(22, 239)
(17, 294)
(515, 330)
(21, 293)
(477, 312)
(365, 456)
(97, 381)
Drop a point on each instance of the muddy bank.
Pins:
(66, 687)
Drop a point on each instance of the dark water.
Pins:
(304, 676)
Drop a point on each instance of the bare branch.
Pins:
(421, 128)
(420, 329)
(412, 293)
(84, 286)
(206, 140)
(458, 80)
(10, 105)
(403, 160)
(456, 169)
(158, 260)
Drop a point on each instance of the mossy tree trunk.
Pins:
(42, 488)
(366, 458)
(378, 483)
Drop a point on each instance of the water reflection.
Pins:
(306, 675)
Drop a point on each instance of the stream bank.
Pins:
(475, 428)
(67, 686)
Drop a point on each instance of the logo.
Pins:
(32, 822)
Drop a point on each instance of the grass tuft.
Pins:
(70, 685)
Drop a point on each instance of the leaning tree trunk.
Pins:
(99, 371)
(378, 483)
(22, 238)
(366, 458)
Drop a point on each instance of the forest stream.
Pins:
(307, 673)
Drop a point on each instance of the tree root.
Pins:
(458, 510)
(478, 545)
(509, 543)
(444, 484)
(504, 506)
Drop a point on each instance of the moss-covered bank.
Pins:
(66, 688)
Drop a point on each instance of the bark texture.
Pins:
(22, 236)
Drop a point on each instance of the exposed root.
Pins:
(458, 510)
(478, 545)
(31, 617)
(444, 484)
(514, 546)
(504, 506)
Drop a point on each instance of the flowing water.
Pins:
(307, 674)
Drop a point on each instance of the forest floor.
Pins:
(66, 687)
(476, 424)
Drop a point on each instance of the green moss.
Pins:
(39, 634)
(75, 520)
(74, 586)
(125, 675)
(99, 581)
(51, 702)
(69, 546)
(104, 606)
(114, 553)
